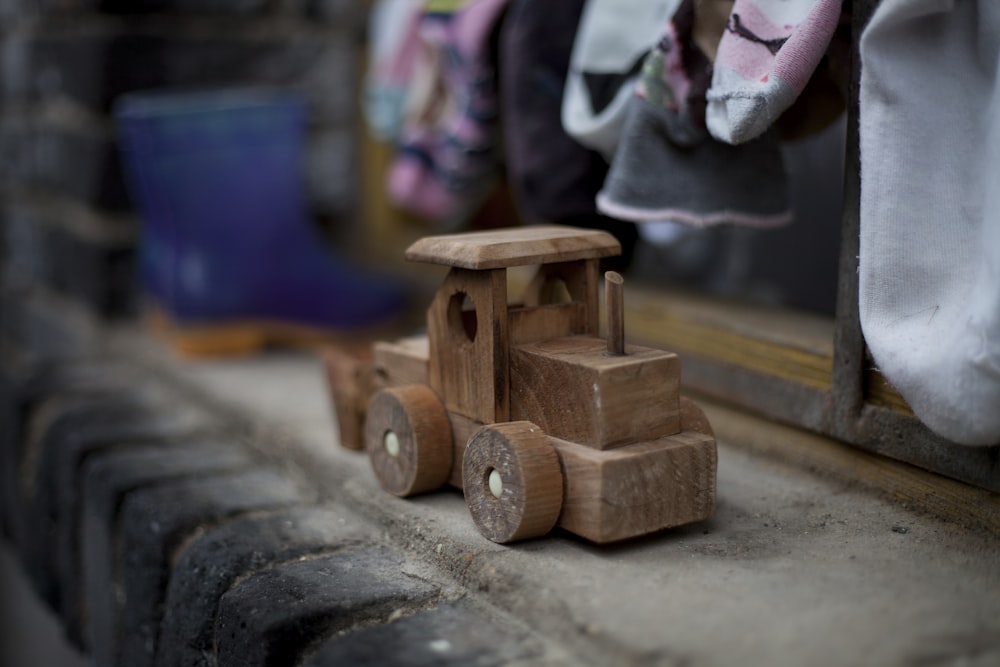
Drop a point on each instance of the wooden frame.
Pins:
(830, 389)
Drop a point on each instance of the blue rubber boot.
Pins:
(227, 250)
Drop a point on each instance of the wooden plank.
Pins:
(401, 362)
(614, 287)
(770, 341)
(879, 391)
(775, 342)
(469, 350)
(518, 246)
(574, 390)
(904, 484)
(351, 380)
(648, 486)
(849, 370)
(462, 429)
(543, 315)
(588, 284)
(580, 280)
(528, 325)
(779, 363)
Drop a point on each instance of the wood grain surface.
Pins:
(471, 372)
(532, 486)
(419, 423)
(516, 246)
(638, 489)
(576, 391)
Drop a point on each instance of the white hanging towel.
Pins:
(930, 209)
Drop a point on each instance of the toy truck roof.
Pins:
(517, 246)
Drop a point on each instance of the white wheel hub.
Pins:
(496, 483)
(391, 442)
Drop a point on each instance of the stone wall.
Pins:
(160, 533)
(65, 215)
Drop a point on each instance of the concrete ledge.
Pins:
(179, 513)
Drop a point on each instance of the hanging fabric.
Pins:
(448, 155)
(667, 166)
(930, 209)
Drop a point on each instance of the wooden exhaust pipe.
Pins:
(614, 289)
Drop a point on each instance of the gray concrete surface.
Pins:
(30, 632)
(796, 568)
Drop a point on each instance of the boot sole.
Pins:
(249, 337)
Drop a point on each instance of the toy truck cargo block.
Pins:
(540, 421)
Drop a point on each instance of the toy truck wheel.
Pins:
(408, 439)
(513, 481)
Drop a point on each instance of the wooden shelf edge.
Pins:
(946, 499)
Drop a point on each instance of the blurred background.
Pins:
(68, 223)
(69, 227)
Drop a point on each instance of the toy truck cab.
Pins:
(473, 331)
(524, 407)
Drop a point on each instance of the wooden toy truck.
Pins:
(523, 406)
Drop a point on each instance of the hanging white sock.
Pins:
(930, 209)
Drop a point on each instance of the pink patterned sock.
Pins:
(448, 157)
(766, 56)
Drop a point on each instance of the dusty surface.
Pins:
(794, 569)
